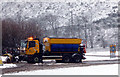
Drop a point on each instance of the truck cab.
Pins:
(31, 50)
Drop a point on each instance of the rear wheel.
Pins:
(77, 58)
(66, 58)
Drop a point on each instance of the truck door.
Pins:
(33, 47)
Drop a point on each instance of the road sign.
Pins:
(112, 51)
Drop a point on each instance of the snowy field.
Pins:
(103, 54)
(99, 51)
(99, 54)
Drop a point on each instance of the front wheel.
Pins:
(36, 59)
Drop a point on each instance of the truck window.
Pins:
(23, 44)
(31, 44)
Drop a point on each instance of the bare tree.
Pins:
(52, 21)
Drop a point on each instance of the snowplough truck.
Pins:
(60, 49)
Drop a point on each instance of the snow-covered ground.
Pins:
(91, 70)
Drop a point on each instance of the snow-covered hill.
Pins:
(86, 19)
(99, 8)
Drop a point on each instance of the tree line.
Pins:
(13, 32)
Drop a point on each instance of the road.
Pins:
(23, 66)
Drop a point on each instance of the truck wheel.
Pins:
(30, 60)
(66, 58)
(36, 59)
(77, 58)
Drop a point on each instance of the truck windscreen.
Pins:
(23, 44)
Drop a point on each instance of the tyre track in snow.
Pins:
(52, 65)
